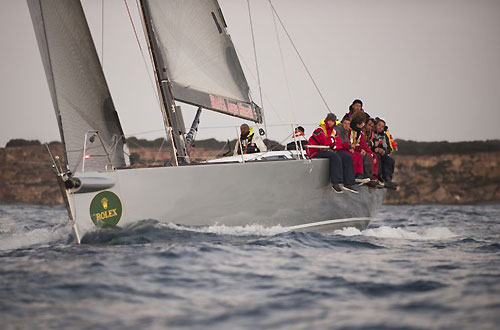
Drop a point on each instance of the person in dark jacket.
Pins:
(299, 140)
(382, 146)
(357, 105)
(328, 144)
(369, 132)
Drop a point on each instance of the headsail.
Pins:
(200, 57)
(80, 95)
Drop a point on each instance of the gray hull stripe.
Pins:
(327, 222)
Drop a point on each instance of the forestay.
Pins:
(200, 57)
(77, 85)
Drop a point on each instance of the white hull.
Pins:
(291, 193)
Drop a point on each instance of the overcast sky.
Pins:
(431, 68)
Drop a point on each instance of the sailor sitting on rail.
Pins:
(384, 145)
(324, 144)
(248, 142)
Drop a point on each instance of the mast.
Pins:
(171, 114)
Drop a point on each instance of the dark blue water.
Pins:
(417, 267)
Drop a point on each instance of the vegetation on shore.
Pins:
(415, 148)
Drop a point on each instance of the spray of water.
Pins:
(24, 239)
(247, 230)
(435, 233)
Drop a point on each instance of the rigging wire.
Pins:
(292, 104)
(159, 150)
(214, 127)
(257, 65)
(272, 107)
(300, 57)
(155, 91)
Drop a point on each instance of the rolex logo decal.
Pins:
(104, 203)
(106, 209)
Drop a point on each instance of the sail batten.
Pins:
(80, 95)
(200, 57)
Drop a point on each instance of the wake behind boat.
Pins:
(195, 63)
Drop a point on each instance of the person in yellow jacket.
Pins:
(249, 142)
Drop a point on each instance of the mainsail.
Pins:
(80, 95)
(200, 57)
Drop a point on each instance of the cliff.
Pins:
(446, 179)
(26, 175)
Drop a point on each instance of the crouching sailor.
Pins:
(324, 144)
(248, 143)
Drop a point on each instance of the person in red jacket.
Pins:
(370, 162)
(368, 133)
(341, 166)
(344, 132)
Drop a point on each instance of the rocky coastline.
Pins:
(26, 175)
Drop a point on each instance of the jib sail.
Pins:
(80, 95)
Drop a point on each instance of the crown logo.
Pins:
(104, 203)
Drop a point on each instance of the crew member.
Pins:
(341, 166)
(383, 146)
(357, 105)
(348, 146)
(370, 165)
(248, 143)
(368, 132)
(299, 138)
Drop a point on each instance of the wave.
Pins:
(435, 233)
(39, 236)
(494, 247)
(148, 231)
(247, 230)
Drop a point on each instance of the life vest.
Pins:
(247, 144)
(333, 133)
(387, 141)
(354, 138)
(393, 144)
(325, 139)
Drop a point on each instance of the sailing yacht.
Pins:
(194, 62)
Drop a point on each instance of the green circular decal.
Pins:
(106, 209)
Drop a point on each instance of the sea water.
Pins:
(416, 267)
